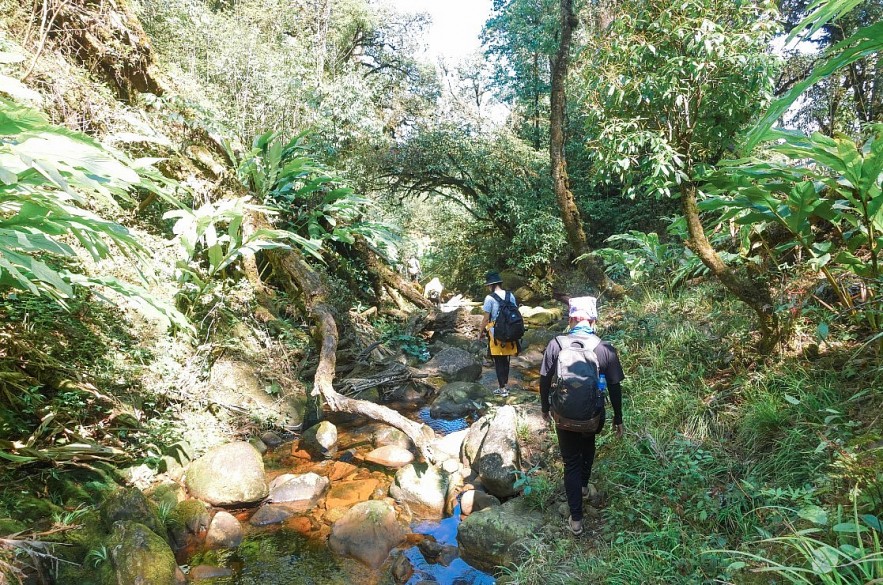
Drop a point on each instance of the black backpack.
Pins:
(509, 325)
(576, 399)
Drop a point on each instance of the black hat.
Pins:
(492, 278)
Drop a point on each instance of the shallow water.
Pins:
(458, 572)
(440, 425)
(284, 557)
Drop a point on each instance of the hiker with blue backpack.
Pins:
(504, 327)
(578, 371)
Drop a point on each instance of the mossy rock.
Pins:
(165, 495)
(138, 555)
(132, 505)
(31, 509)
(188, 517)
(10, 526)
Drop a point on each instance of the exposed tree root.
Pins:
(301, 281)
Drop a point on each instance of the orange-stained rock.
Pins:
(299, 453)
(344, 494)
(340, 470)
(301, 524)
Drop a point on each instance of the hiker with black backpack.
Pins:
(578, 369)
(504, 327)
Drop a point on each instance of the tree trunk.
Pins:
(385, 275)
(754, 294)
(570, 214)
(300, 280)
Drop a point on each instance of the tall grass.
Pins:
(725, 454)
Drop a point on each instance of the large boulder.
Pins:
(228, 475)
(131, 505)
(491, 449)
(422, 488)
(298, 492)
(320, 441)
(138, 555)
(455, 365)
(541, 316)
(471, 445)
(499, 459)
(489, 538)
(537, 339)
(367, 532)
(225, 531)
(458, 399)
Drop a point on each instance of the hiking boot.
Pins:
(501, 392)
(576, 526)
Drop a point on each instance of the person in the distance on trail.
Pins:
(413, 269)
(578, 449)
(501, 351)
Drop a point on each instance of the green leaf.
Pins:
(814, 514)
(822, 331)
(791, 400)
(872, 521)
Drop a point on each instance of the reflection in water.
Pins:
(284, 557)
(440, 425)
(458, 572)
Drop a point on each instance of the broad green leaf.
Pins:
(814, 514)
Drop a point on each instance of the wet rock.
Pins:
(187, 521)
(299, 492)
(225, 531)
(475, 501)
(139, 555)
(422, 488)
(271, 439)
(367, 532)
(454, 365)
(320, 441)
(390, 456)
(131, 505)
(436, 553)
(180, 577)
(401, 569)
(228, 475)
(386, 435)
(458, 399)
(346, 493)
(270, 514)
(203, 572)
(488, 538)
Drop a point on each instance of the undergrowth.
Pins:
(727, 462)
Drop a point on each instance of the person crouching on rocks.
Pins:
(433, 291)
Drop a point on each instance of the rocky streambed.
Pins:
(347, 501)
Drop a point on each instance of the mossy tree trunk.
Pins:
(570, 215)
(748, 290)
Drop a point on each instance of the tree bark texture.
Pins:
(381, 274)
(301, 281)
(570, 215)
(754, 294)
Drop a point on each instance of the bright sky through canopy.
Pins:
(456, 24)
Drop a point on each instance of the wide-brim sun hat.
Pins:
(492, 278)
